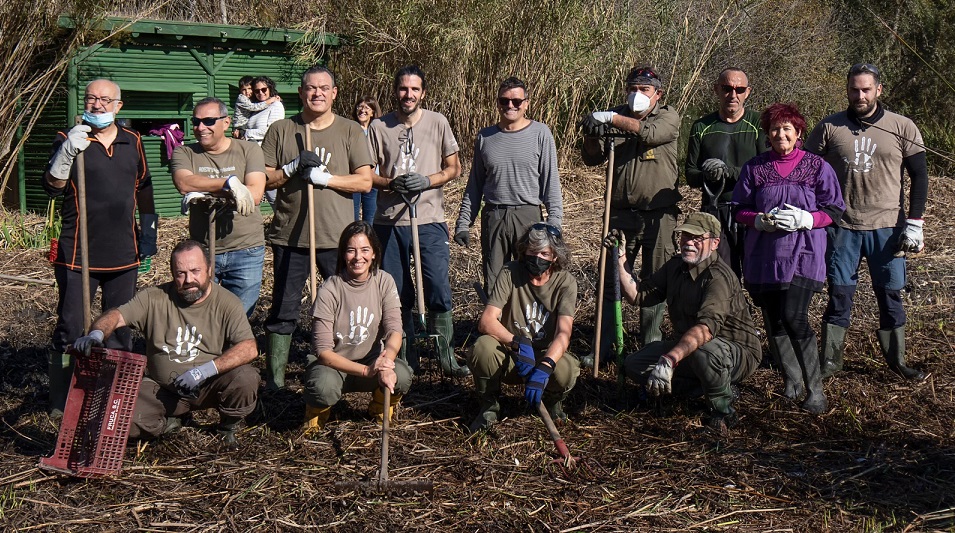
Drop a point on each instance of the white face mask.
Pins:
(638, 102)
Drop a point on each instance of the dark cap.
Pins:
(643, 76)
(700, 223)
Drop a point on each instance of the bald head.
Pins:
(732, 89)
(102, 86)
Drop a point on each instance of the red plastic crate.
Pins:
(99, 410)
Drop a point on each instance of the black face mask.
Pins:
(535, 265)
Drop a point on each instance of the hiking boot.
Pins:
(173, 425)
(721, 423)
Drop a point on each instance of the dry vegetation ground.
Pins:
(882, 458)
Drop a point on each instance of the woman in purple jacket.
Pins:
(788, 196)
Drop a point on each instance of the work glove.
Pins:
(534, 388)
(524, 359)
(188, 383)
(765, 222)
(793, 219)
(463, 238)
(148, 226)
(76, 141)
(410, 183)
(597, 123)
(306, 159)
(318, 176)
(613, 238)
(714, 169)
(244, 204)
(86, 343)
(660, 378)
(191, 198)
(912, 239)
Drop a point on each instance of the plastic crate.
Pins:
(99, 410)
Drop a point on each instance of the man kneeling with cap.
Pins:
(717, 341)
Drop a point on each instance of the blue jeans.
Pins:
(435, 258)
(365, 205)
(240, 272)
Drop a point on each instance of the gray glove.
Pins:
(187, 384)
(659, 382)
(715, 169)
(86, 343)
(463, 238)
(76, 141)
(412, 183)
(912, 239)
(765, 222)
(244, 204)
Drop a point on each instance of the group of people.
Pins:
(783, 220)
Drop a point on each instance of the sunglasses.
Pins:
(553, 231)
(645, 73)
(262, 90)
(207, 122)
(864, 68)
(731, 89)
(516, 102)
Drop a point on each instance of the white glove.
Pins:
(793, 219)
(76, 141)
(659, 381)
(244, 204)
(603, 117)
(291, 167)
(765, 222)
(191, 198)
(912, 239)
(84, 344)
(319, 176)
(638, 102)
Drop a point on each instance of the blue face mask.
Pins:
(98, 120)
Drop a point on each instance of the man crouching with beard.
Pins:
(198, 348)
(716, 340)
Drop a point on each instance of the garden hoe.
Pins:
(384, 485)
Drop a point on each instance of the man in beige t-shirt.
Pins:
(220, 166)
(198, 348)
(417, 154)
(338, 165)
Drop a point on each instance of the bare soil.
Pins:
(881, 459)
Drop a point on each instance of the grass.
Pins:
(29, 231)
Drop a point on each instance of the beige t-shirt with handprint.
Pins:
(531, 311)
(352, 318)
(180, 336)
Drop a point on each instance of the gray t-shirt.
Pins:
(351, 317)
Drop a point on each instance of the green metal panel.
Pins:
(36, 150)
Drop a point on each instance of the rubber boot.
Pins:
(409, 351)
(651, 322)
(488, 390)
(376, 407)
(316, 417)
(60, 370)
(833, 348)
(226, 430)
(276, 360)
(788, 364)
(892, 343)
(807, 352)
(722, 416)
(443, 326)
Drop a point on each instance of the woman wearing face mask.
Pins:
(526, 328)
(787, 197)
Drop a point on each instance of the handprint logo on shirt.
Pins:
(187, 345)
(325, 156)
(409, 154)
(358, 321)
(864, 153)
(535, 316)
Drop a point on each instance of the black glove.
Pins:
(148, 226)
(398, 184)
(614, 238)
(592, 127)
(463, 238)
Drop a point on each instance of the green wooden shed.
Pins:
(163, 68)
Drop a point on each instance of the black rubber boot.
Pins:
(60, 371)
(226, 430)
(807, 352)
(833, 347)
(892, 343)
(443, 327)
(782, 347)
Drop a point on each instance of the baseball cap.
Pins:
(700, 223)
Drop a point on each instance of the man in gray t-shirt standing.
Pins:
(515, 171)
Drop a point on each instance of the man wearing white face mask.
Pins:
(117, 185)
(643, 203)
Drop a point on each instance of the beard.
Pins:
(193, 292)
(695, 260)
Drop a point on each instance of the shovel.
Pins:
(84, 239)
(382, 484)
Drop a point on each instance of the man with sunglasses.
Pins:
(118, 184)
(218, 166)
(643, 203)
(870, 149)
(720, 143)
(338, 165)
(417, 155)
(514, 171)
(716, 345)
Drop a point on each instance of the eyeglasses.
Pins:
(731, 89)
(516, 102)
(553, 231)
(696, 239)
(106, 100)
(207, 122)
(261, 90)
